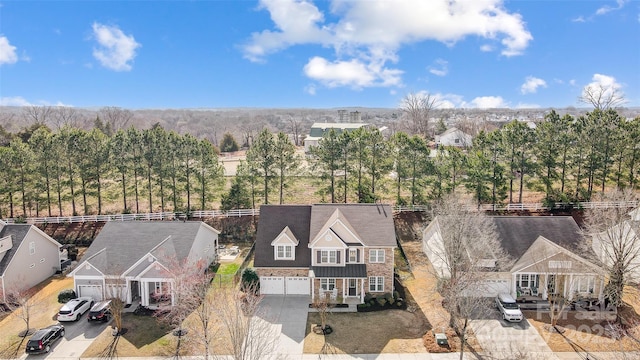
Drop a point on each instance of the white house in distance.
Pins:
(28, 256)
(454, 137)
(622, 238)
(135, 260)
(319, 129)
(546, 260)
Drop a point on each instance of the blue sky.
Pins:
(322, 54)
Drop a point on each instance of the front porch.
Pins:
(535, 287)
(339, 285)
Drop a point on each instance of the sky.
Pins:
(317, 54)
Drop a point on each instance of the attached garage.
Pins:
(272, 285)
(94, 291)
(297, 285)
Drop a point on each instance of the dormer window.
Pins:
(284, 252)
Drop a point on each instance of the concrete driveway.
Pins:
(507, 340)
(284, 319)
(78, 336)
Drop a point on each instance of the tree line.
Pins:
(566, 158)
(46, 172)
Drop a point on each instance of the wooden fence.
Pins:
(254, 212)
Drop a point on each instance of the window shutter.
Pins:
(338, 256)
(347, 254)
(358, 255)
(318, 260)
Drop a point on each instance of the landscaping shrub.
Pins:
(382, 301)
(250, 279)
(66, 295)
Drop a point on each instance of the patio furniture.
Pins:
(534, 290)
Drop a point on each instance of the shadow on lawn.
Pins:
(143, 330)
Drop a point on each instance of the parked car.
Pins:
(42, 340)
(100, 311)
(73, 309)
(508, 307)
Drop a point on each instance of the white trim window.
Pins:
(328, 257)
(376, 256)
(376, 283)
(353, 255)
(327, 284)
(584, 283)
(284, 252)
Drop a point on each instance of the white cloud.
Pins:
(442, 68)
(489, 102)
(572, 82)
(7, 52)
(486, 48)
(310, 89)
(115, 50)
(603, 87)
(368, 34)
(531, 85)
(353, 73)
(607, 9)
(14, 101)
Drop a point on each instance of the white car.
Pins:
(73, 310)
(508, 307)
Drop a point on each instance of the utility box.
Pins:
(441, 339)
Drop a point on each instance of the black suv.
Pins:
(100, 311)
(41, 341)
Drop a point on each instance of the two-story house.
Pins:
(342, 251)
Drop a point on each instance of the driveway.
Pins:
(78, 336)
(284, 319)
(508, 340)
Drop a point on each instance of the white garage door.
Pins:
(493, 287)
(270, 285)
(94, 291)
(297, 286)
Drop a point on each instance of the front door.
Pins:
(353, 286)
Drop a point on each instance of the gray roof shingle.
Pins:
(517, 233)
(17, 232)
(128, 242)
(273, 219)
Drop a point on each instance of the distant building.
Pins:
(454, 137)
(319, 129)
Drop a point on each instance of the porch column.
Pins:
(361, 290)
(313, 288)
(173, 300)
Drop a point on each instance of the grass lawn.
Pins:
(145, 336)
(42, 314)
(389, 331)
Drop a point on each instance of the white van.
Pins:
(510, 310)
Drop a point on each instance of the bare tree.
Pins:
(37, 115)
(615, 239)
(23, 303)
(296, 129)
(601, 96)
(117, 118)
(249, 335)
(465, 253)
(66, 116)
(417, 110)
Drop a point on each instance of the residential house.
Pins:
(135, 260)
(454, 137)
(546, 253)
(318, 130)
(28, 256)
(342, 251)
(621, 240)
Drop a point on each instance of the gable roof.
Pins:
(124, 243)
(372, 223)
(541, 251)
(17, 232)
(518, 233)
(273, 219)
